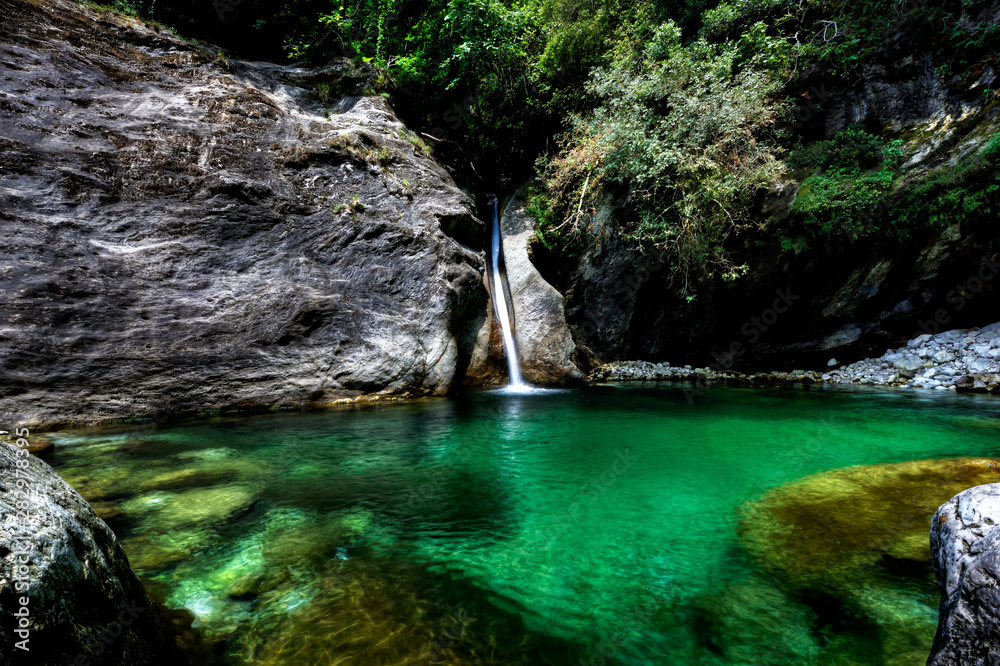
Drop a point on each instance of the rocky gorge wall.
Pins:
(187, 232)
(836, 298)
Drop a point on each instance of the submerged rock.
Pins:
(393, 612)
(56, 553)
(753, 622)
(829, 528)
(199, 507)
(188, 232)
(966, 545)
(846, 533)
(149, 552)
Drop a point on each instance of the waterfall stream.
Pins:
(501, 303)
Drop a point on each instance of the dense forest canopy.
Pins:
(681, 114)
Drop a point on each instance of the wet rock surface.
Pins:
(544, 343)
(966, 546)
(188, 232)
(79, 584)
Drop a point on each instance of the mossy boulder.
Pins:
(199, 507)
(857, 538)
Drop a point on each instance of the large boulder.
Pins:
(544, 343)
(67, 594)
(965, 542)
(186, 232)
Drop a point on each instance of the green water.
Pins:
(588, 526)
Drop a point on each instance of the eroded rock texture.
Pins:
(965, 542)
(186, 232)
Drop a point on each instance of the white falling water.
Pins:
(500, 301)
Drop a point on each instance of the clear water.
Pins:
(600, 525)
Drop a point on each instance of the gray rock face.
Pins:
(544, 343)
(59, 556)
(981, 365)
(908, 365)
(194, 233)
(602, 306)
(943, 357)
(965, 542)
(842, 336)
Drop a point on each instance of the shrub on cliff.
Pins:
(677, 142)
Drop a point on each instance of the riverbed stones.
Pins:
(943, 357)
(965, 540)
(411, 615)
(908, 365)
(979, 366)
(153, 551)
(958, 360)
(199, 507)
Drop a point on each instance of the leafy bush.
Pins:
(963, 193)
(854, 173)
(675, 140)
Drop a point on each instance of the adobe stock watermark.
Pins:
(451, 635)
(961, 295)
(224, 7)
(609, 647)
(752, 329)
(454, 117)
(22, 531)
(100, 642)
(621, 462)
(589, 492)
(627, 287)
(810, 103)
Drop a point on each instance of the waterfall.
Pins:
(501, 303)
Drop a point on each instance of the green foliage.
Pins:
(126, 7)
(846, 180)
(676, 141)
(665, 110)
(968, 192)
(849, 198)
(842, 34)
